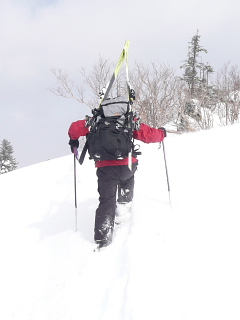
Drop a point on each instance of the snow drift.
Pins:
(166, 263)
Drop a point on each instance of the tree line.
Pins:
(199, 99)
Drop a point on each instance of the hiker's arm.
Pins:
(78, 129)
(148, 134)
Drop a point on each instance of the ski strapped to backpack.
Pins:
(103, 95)
(112, 123)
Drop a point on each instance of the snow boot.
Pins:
(101, 244)
(123, 212)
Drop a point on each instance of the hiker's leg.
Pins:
(126, 184)
(105, 213)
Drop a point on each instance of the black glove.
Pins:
(73, 144)
(164, 130)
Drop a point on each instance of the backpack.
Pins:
(111, 131)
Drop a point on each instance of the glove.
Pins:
(164, 131)
(73, 144)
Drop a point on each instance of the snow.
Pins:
(180, 262)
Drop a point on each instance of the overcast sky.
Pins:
(36, 35)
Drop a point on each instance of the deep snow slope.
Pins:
(179, 262)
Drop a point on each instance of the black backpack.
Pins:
(111, 131)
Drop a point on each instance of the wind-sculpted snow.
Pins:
(164, 263)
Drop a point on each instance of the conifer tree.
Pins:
(196, 73)
(7, 161)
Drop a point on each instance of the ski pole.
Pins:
(75, 187)
(166, 169)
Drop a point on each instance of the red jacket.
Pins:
(145, 134)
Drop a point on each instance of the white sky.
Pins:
(36, 35)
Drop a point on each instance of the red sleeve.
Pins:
(148, 134)
(78, 129)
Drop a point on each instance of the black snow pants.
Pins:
(112, 180)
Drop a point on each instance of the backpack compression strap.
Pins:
(83, 153)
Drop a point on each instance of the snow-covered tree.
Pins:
(228, 91)
(7, 161)
(196, 73)
(200, 97)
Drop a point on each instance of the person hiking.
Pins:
(115, 178)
